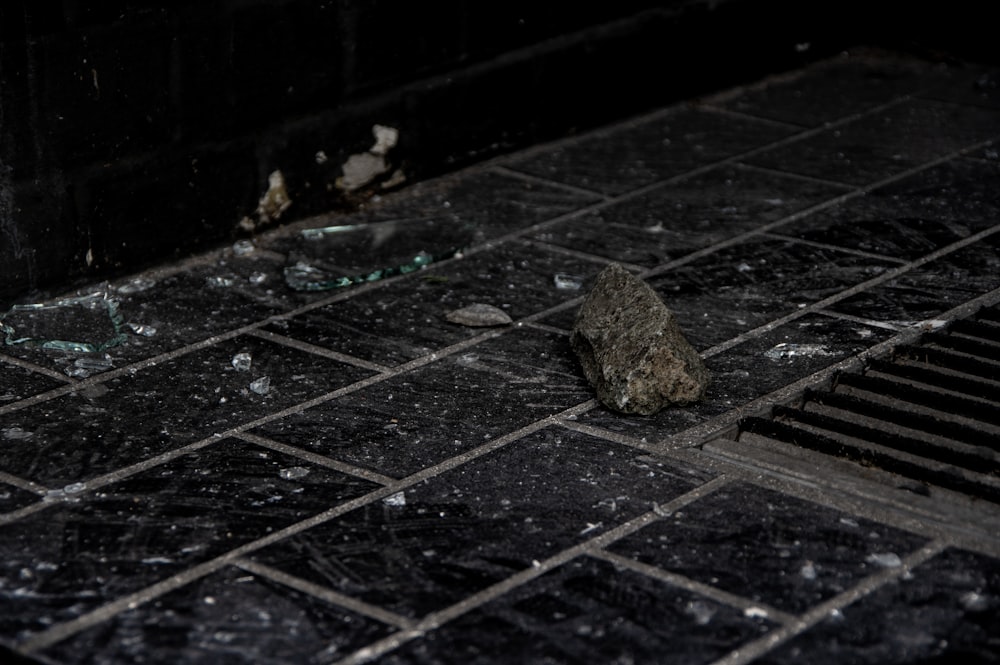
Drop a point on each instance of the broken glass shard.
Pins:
(241, 362)
(785, 351)
(261, 386)
(294, 472)
(565, 282)
(396, 500)
(84, 367)
(84, 324)
(142, 329)
(243, 247)
(334, 257)
(219, 281)
(135, 285)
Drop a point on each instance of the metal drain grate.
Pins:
(930, 412)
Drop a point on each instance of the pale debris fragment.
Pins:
(271, 205)
(479, 315)
(362, 168)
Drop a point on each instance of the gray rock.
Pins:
(479, 315)
(631, 348)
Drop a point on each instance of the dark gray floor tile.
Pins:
(587, 611)
(935, 287)
(12, 498)
(836, 89)
(406, 319)
(456, 534)
(628, 158)
(885, 143)
(60, 562)
(20, 383)
(768, 547)
(912, 217)
(138, 415)
(969, 84)
(420, 418)
(943, 611)
(686, 216)
(492, 203)
(228, 617)
(750, 370)
(741, 287)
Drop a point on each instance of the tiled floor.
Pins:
(403, 489)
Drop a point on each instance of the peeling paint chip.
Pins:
(363, 168)
(272, 204)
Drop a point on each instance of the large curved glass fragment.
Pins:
(334, 257)
(90, 323)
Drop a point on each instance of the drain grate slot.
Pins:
(967, 407)
(953, 361)
(929, 412)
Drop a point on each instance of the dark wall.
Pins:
(133, 132)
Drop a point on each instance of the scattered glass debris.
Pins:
(885, 559)
(241, 362)
(84, 367)
(785, 351)
(16, 434)
(396, 500)
(74, 488)
(261, 386)
(243, 247)
(142, 329)
(701, 611)
(257, 278)
(755, 613)
(479, 315)
(136, 285)
(219, 281)
(567, 282)
(294, 472)
(84, 324)
(304, 277)
(808, 571)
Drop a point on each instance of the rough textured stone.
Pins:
(631, 348)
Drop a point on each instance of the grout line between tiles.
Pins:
(850, 291)
(23, 484)
(834, 248)
(315, 458)
(61, 631)
(578, 254)
(757, 648)
(324, 593)
(539, 180)
(797, 176)
(437, 619)
(293, 343)
(39, 369)
(713, 593)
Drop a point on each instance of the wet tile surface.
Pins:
(450, 537)
(945, 610)
(69, 558)
(626, 159)
(588, 611)
(885, 143)
(229, 616)
(767, 546)
(683, 217)
(95, 429)
(280, 521)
